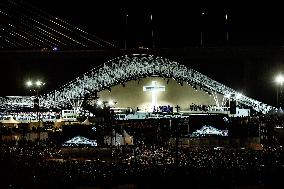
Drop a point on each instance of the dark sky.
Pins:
(176, 26)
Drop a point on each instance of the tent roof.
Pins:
(125, 134)
(10, 120)
(86, 122)
(60, 120)
(77, 140)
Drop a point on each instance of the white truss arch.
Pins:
(129, 67)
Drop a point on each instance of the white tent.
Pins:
(117, 139)
(60, 120)
(10, 122)
(58, 123)
(86, 122)
(127, 138)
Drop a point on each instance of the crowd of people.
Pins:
(150, 162)
(31, 116)
(145, 166)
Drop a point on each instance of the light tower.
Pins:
(35, 86)
(279, 81)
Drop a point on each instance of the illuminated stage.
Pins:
(131, 94)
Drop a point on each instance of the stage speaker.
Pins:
(233, 107)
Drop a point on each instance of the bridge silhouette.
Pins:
(25, 27)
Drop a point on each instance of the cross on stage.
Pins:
(154, 88)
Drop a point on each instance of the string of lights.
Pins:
(27, 27)
(132, 67)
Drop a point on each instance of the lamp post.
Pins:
(226, 25)
(279, 80)
(126, 30)
(152, 31)
(201, 28)
(35, 87)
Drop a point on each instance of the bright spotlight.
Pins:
(110, 103)
(38, 83)
(239, 95)
(100, 103)
(29, 83)
(279, 79)
(227, 95)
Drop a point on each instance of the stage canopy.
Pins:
(80, 141)
(208, 130)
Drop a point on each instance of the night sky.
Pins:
(175, 24)
(248, 61)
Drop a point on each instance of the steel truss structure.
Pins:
(123, 69)
(25, 27)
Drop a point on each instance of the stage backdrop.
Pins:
(132, 94)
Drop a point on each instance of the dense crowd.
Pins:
(44, 166)
(148, 163)
(29, 116)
